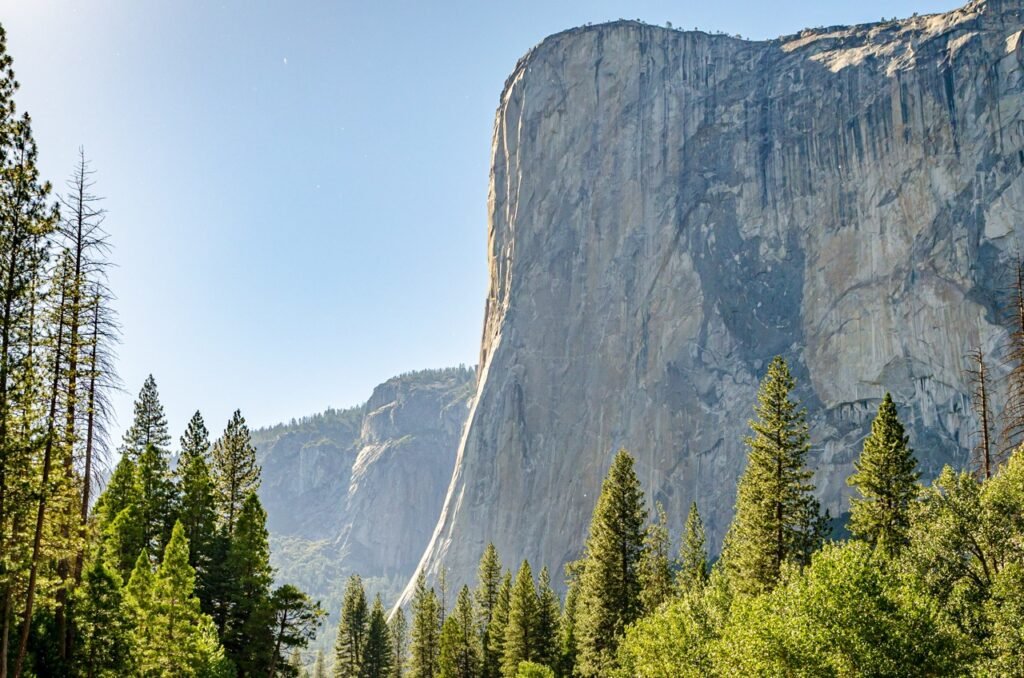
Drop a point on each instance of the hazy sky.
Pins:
(297, 190)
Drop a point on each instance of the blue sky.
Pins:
(297, 190)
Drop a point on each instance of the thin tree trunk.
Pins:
(43, 492)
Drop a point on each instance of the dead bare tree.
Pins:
(978, 374)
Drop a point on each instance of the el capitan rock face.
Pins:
(669, 210)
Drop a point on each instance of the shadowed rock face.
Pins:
(669, 210)
(359, 490)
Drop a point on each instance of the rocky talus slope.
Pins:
(670, 209)
(359, 490)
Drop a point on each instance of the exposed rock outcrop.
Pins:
(359, 490)
(669, 210)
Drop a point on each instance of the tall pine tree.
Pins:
(149, 425)
(197, 510)
(496, 629)
(656, 563)
(610, 584)
(886, 480)
(460, 654)
(247, 635)
(488, 585)
(548, 615)
(777, 519)
(377, 649)
(399, 632)
(693, 554)
(521, 628)
(352, 627)
(235, 472)
(423, 652)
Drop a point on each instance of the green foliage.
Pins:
(674, 642)
(846, 615)
(548, 617)
(521, 627)
(247, 635)
(693, 554)
(532, 670)
(198, 517)
(488, 586)
(425, 647)
(567, 643)
(398, 630)
(460, 652)
(377, 651)
(235, 472)
(158, 508)
(295, 621)
(149, 425)
(172, 637)
(352, 627)
(886, 480)
(496, 630)
(777, 520)
(610, 585)
(103, 630)
(656, 577)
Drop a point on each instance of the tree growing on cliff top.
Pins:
(777, 518)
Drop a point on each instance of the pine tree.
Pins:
(399, 632)
(27, 220)
(138, 609)
(149, 426)
(488, 585)
(295, 619)
(496, 630)
(352, 628)
(548, 615)
(693, 555)
(377, 651)
(567, 643)
(655, 563)
(423, 652)
(235, 472)
(159, 501)
(610, 583)
(521, 629)
(777, 519)
(460, 654)
(121, 492)
(123, 539)
(886, 480)
(181, 640)
(104, 635)
(247, 636)
(197, 511)
(195, 443)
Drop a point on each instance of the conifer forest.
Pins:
(138, 554)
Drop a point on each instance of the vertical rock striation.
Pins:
(669, 210)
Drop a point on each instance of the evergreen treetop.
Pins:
(610, 584)
(777, 520)
(885, 478)
(149, 425)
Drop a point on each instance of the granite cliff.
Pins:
(668, 210)
(358, 490)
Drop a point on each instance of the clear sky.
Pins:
(297, 190)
